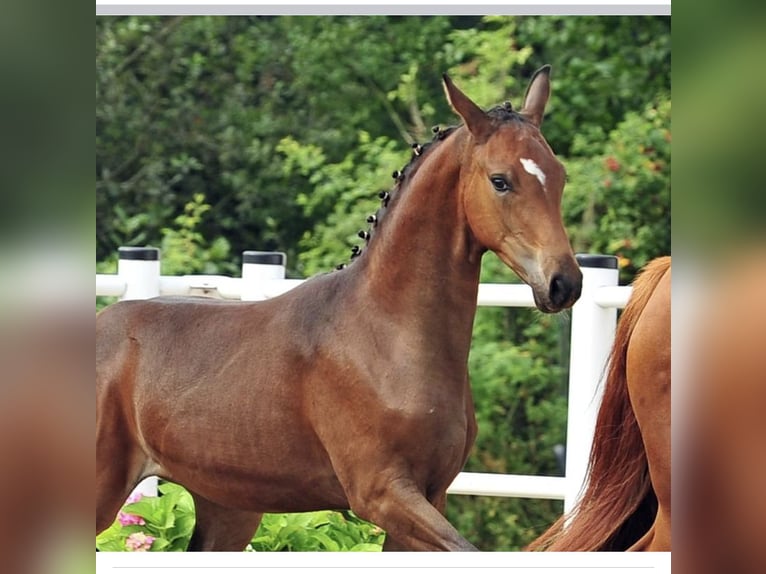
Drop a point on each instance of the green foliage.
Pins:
(184, 249)
(501, 524)
(513, 388)
(168, 519)
(313, 531)
(199, 105)
(487, 59)
(343, 191)
(618, 198)
(603, 67)
(107, 266)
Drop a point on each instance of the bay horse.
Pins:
(351, 390)
(626, 502)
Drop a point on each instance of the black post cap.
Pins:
(264, 257)
(139, 253)
(597, 261)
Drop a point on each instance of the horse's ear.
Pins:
(474, 117)
(537, 95)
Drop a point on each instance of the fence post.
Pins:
(593, 330)
(139, 267)
(259, 266)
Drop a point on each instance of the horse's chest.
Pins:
(396, 411)
(439, 442)
(435, 426)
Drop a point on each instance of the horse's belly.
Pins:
(295, 481)
(247, 456)
(251, 489)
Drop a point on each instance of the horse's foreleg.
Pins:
(411, 522)
(112, 488)
(119, 467)
(392, 545)
(222, 529)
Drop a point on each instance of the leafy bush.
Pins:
(166, 523)
(108, 266)
(152, 523)
(185, 250)
(311, 531)
(618, 198)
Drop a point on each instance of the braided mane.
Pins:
(504, 113)
(419, 151)
(501, 114)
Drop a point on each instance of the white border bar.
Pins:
(397, 7)
(509, 485)
(382, 563)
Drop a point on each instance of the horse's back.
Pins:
(163, 337)
(200, 356)
(187, 336)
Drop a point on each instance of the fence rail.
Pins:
(594, 318)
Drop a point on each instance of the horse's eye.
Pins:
(500, 184)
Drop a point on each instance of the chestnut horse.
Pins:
(722, 424)
(351, 390)
(626, 503)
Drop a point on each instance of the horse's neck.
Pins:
(423, 261)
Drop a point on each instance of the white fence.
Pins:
(594, 318)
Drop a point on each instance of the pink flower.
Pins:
(139, 542)
(129, 519)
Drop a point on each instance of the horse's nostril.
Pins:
(560, 290)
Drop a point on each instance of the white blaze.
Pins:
(531, 167)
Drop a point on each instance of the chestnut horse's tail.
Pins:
(619, 504)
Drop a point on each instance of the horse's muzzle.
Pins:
(564, 291)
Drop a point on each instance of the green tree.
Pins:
(198, 105)
(186, 251)
(604, 67)
(618, 199)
